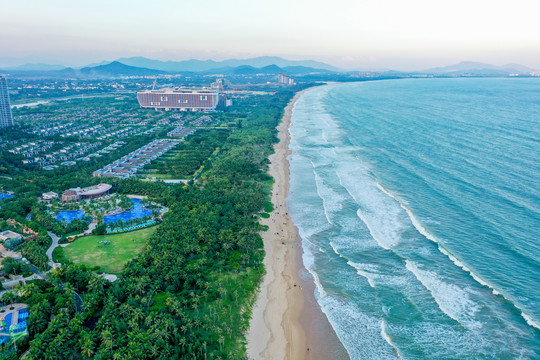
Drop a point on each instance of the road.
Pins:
(54, 245)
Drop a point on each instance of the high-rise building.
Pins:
(285, 80)
(6, 117)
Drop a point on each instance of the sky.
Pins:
(349, 34)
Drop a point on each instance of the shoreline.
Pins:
(291, 326)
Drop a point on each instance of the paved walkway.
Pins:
(54, 245)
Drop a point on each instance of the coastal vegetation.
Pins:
(188, 294)
(189, 156)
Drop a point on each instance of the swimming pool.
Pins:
(5, 196)
(136, 212)
(69, 215)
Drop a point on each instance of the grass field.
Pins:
(90, 251)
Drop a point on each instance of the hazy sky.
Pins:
(362, 34)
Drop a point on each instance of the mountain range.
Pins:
(147, 67)
(480, 69)
(265, 65)
(194, 65)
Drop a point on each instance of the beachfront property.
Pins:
(91, 192)
(179, 99)
(128, 165)
(13, 324)
(6, 116)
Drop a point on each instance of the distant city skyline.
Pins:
(348, 34)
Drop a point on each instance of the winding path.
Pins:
(54, 245)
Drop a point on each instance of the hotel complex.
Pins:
(6, 117)
(179, 99)
(91, 192)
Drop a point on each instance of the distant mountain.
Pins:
(207, 65)
(302, 70)
(481, 69)
(104, 62)
(271, 69)
(115, 69)
(65, 73)
(244, 70)
(35, 67)
(266, 70)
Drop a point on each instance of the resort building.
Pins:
(6, 117)
(181, 132)
(48, 196)
(91, 192)
(128, 165)
(8, 235)
(179, 99)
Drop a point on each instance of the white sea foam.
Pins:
(386, 336)
(323, 135)
(349, 321)
(308, 259)
(376, 274)
(369, 276)
(464, 267)
(382, 217)
(361, 342)
(319, 192)
(336, 250)
(451, 299)
(383, 241)
(332, 200)
(422, 230)
(530, 321)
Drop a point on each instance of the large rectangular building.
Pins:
(6, 117)
(91, 192)
(179, 99)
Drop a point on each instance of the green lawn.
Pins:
(111, 258)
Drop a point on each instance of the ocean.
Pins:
(418, 205)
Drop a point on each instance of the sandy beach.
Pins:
(287, 322)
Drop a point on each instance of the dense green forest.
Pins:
(189, 155)
(189, 295)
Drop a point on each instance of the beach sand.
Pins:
(287, 322)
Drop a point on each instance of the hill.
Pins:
(480, 69)
(194, 65)
(115, 69)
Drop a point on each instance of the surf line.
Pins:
(423, 231)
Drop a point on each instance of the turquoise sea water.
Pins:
(418, 202)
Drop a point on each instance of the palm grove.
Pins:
(189, 294)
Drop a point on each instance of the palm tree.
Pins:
(87, 346)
